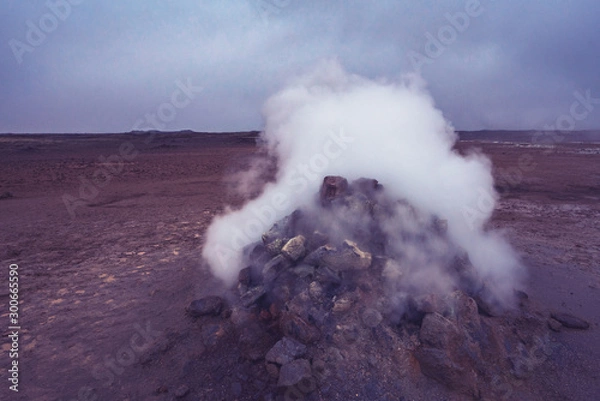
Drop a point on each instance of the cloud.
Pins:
(516, 66)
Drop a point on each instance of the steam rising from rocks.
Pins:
(330, 122)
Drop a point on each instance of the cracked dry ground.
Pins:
(103, 294)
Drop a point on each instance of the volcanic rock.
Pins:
(349, 257)
(285, 351)
(343, 304)
(212, 305)
(317, 239)
(371, 317)
(333, 187)
(570, 321)
(294, 249)
(466, 311)
(273, 248)
(274, 267)
(554, 325)
(252, 295)
(280, 229)
(367, 186)
(296, 327)
(294, 372)
(437, 364)
(439, 332)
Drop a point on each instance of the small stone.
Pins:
(570, 321)
(272, 370)
(371, 317)
(245, 276)
(294, 326)
(182, 391)
(273, 267)
(161, 390)
(294, 249)
(294, 372)
(342, 305)
(350, 333)
(273, 248)
(554, 325)
(236, 388)
(278, 231)
(488, 307)
(252, 295)
(316, 291)
(304, 270)
(317, 257)
(285, 351)
(326, 276)
(211, 334)
(317, 239)
(211, 305)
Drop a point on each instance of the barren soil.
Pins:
(103, 289)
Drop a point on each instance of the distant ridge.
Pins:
(512, 136)
(531, 136)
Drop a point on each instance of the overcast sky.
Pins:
(102, 66)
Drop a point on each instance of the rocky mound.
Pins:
(361, 296)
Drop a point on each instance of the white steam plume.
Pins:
(330, 122)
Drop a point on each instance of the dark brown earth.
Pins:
(103, 289)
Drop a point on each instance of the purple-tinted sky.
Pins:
(103, 66)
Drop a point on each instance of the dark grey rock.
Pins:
(438, 332)
(348, 257)
(273, 267)
(252, 295)
(371, 317)
(570, 321)
(437, 364)
(236, 388)
(294, 372)
(333, 187)
(294, 326)
(212, 305)
(182, 391)
(554, 325)
(285, 351)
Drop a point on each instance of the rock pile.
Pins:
(328, 302)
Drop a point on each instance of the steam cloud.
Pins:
(330, 122)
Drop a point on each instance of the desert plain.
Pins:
(106, 270)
